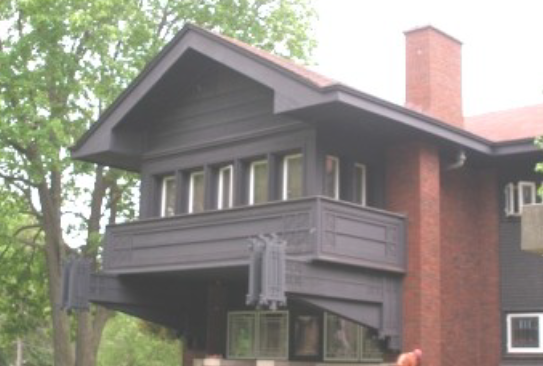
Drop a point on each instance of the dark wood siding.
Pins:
(521, 273)
(223, 118)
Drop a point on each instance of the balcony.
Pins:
(316, 229)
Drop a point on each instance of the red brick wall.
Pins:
(413, 189)
(451, 298)
(469, 257)
(433, 74)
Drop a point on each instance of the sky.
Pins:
(361, 43)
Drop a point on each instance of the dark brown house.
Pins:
(288, 217)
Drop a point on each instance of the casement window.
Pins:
(359, 184)
(345, 341)
(525, 333)
(225, 187)
(196, 192)
(331, 177)
(258, 182)
(519, 195)
(257, 334)
(168, 196)
(292, 176)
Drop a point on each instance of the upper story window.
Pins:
(225, 187)
(168, 196)
(331, 177)
(519, 195)
(525, 333)
(258, 182)
(196, 191)
(292, 176)
(359, 184)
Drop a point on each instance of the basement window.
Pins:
(524, 333)
(257, 334)
(168, 196)
(346, 341)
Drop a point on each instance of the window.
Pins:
(258, 182)
(225, 187)
(196, 191)
(292, 176)
(346, 341)
(519, 195)
(524, 333)
(359, 184)
(331, 177)
(168, 195)
(307, 335)
(258, 334)
(526, 194)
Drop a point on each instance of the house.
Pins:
(375, 228)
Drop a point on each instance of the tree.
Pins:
(125, 343)
(62, 62)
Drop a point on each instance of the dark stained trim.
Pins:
(292, 92)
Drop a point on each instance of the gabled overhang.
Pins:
(294, 91)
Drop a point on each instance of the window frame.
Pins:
(190, 208)
(220, 187)
(252, 166)
(163, 194)
(336, 175)
(360, 350)
(533, 194)
(256, 315)
(285, 171)
(363, 194)
(508, 333)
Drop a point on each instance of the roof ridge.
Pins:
(303, 71)
(505, 110)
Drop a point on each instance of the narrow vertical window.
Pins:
(273, 335)
(258, 182)
(242, 335)
(196, 191)
(225, 187)
(331, 177)
(341, 339)
(359, 184)
(509, 199)
(168, 190)
(292, 176)
(526, 194)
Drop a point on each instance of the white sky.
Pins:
(361, 43)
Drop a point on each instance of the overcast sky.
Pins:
(361, 43)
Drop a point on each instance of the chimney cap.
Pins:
(431, 27)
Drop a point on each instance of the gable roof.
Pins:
(295, 88)
(512, 124)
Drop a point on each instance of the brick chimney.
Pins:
(434, 74)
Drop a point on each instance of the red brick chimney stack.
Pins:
(434, 74)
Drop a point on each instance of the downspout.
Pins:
(459, 162)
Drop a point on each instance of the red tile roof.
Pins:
(311, 76)
(513, 124)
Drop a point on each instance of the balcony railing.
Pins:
(314, 228)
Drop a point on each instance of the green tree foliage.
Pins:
(125, 343)
(62, 62)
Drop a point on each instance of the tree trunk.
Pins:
(19, 357)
